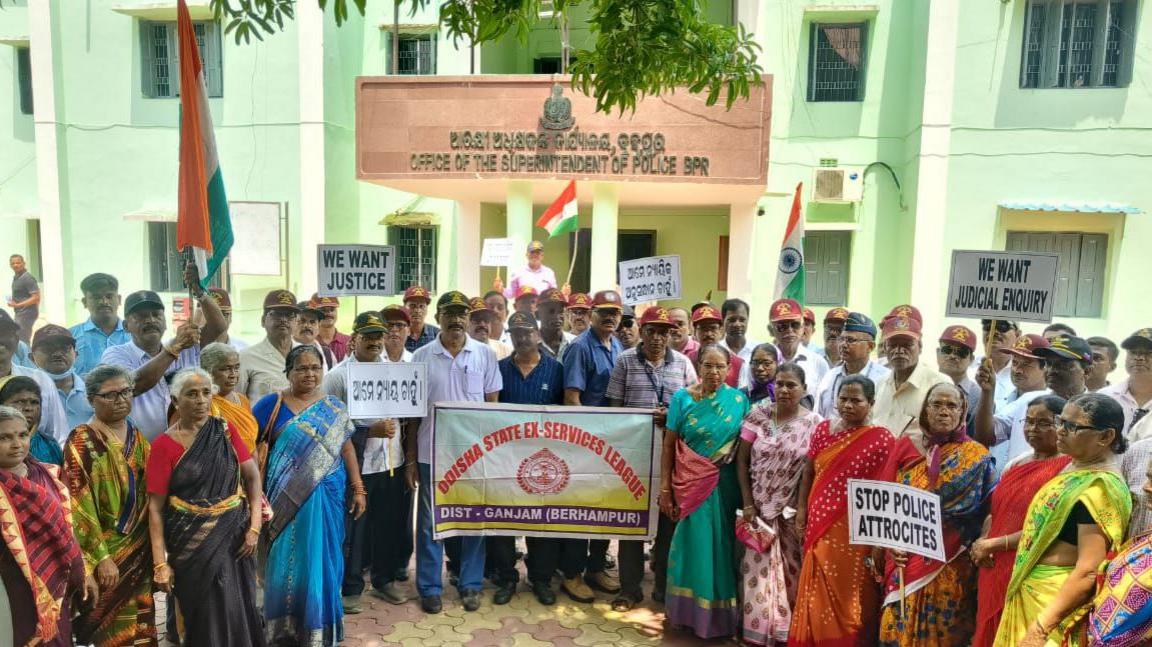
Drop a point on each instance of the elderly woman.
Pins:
(940, 608)
(773, 447)
(202, 519)
(1121, 615)
(995, 551)
(837, 600)
(762, 375)
(104, 462)
(23, 393)
(698, 488)
(41, 568)
(1074, 521)
(223, 363)
(311, 465)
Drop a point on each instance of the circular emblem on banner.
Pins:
(542, 473)
(790, 260)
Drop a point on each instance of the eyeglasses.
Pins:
(721, 368)
(785, 326)
(848, 341)
(1069, 427)
(958, 351)
(1036, 423)
(112, 396)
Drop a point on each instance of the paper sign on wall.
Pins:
(1009, 286)
(895, 516)
(497, 252)
(656, 278)
(387, 390)
(356, 270)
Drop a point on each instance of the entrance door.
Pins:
(630, 245)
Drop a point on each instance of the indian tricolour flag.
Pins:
(790, 272)
(202, 221)
(560, 216)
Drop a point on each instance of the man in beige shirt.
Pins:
(262, 365)
(900, 394)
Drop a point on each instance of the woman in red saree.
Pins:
(837, 599)
(995, 551)
(40, 563)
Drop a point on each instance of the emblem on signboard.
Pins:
(557, 111)
(542, 473)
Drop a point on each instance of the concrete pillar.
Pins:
(518, 204)
(468, 246)
(311, 215)
(741, 243)
(605, 220)
(930, 269)
(52, 304)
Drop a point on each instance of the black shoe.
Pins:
(401, 575)
(504, 593)
(471, 600)
(544, 593)
(431, 604)
(658, 595)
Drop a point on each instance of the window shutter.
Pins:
(147, 61)
(173, 60)
(433, 40)
(836, 253)
(24, 78)
(1067, 246)
(1090, 281)
(1016, 242)
(213, 60)
(1051, 52)
(813, 266)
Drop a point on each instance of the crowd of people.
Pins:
(231, 476)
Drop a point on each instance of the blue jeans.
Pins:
(430, 554)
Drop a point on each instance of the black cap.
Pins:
(1066, 347)
(141, 299)
(6, 320)
(98, 280)
(451, 299)
(368, 322)
(628, 313)
(522, 321)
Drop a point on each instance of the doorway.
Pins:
(630, 245)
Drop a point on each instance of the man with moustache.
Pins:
(53, 421)
(1134, 393)
(480, 320)
(382, 532)
(459, 369)
(535, 274)
(25, 299)
(681, 338)
(626, 331)
(498, 303)
(262, 364)
(554, 340)
(588, 366)
(224, 302)
(900, 394)
(708, 326)
(152, 360)
(785, 320)
(525, 300)
(953, 357)
(417, 299)
(328, 335)
(579, 307)
(104, 328)
(305, 329)
(54, 352)
(646, 377)
(735, 313)
(856, 342)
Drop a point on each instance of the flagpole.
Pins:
(575, 252)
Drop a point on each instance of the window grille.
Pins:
(836, 62)
(24, 77)
(1077, 43)
(160, 58)
(416, 248)
(417, 54)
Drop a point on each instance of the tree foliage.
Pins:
(642, 47)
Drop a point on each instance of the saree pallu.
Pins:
(837, 600)
(45, 449)
(306, 484)
(940, 609)
(239, 416)
(205, 521)
(1033, 586)
(37, 531)
(110, 516)
(1122, 616)
(769, 578)
(1008, 506)
(701, 590)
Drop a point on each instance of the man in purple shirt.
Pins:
(535, 274)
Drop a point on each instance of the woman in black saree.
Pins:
(204, 532)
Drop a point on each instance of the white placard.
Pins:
(256, 238)
(1009, 286)
(356, 270)
(656, 278)
(387, 390)
(895, 516)
(497, 252)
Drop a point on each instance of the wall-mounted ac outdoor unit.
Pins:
(838, 184)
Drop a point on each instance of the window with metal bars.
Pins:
(160, 58)
(24, 78)
(1077, 43)
(417, 54)
(836, 62)
(416, 248)
(166, 263)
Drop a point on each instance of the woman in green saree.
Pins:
(698, 487)
(1072, 524)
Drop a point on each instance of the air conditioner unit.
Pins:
(838, 184)
(547, 10)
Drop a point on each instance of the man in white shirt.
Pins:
(735, 313)
(856, 342)
(262, 364)
(1134, 393)
(535, 274)
(900, 394)
(376, 337)
(306, 329)
(554, 340)
(786, 320)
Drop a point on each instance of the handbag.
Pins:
(757, 537)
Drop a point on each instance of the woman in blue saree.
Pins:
(311, 465)
(698, 487)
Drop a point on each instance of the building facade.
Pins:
(916, 128)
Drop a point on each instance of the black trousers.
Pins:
(500, 560)
(546, 556)
(631, 560)
(597, 555)
(383, 533)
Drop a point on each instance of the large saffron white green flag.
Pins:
(560, 216)
(790, 271)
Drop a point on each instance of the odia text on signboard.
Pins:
(356, 270)
(1010, 286)
(895, 516)
(387, 390)
(497, 252)
(650, 279)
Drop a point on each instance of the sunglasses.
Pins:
(958, 351)
(785, 326)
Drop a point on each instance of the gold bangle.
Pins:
(254, 530)
(159, 566)
(1005, 538)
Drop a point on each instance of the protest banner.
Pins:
(497, 252)
(1005, 286)
(387, 390)
(655, 278)
(895, 516)
(356, 270)
(536, 471)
